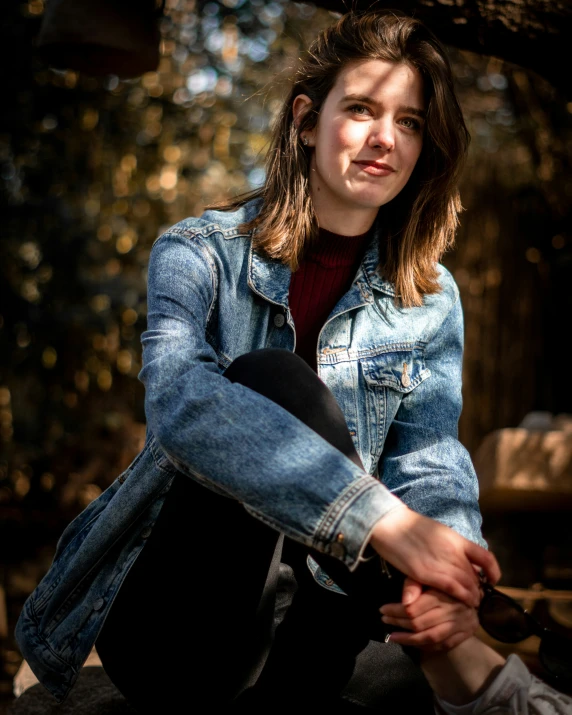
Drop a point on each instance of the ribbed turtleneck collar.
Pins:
(332, 249)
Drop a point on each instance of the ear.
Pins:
(302, 104)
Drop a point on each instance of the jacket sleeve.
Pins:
(423, 463)
(232, 438)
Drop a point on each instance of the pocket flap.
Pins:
(402, 370)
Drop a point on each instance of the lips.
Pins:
(375, 168)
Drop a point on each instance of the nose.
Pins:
(382, 135)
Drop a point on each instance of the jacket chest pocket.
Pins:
(389, 376)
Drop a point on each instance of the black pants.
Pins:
(194, 614)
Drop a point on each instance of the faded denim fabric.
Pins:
(395, 372)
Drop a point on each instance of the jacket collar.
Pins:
(271, 279)
(268, 278)
(370, 263)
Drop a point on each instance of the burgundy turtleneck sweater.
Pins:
(325, 274)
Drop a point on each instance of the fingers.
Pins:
(439, 638)
(429, 641)
(457, 615)
(433, 622)
(463, 585)
(412, 590)
(426, 602)
(433, 554)
(485, 560)
(416, 624)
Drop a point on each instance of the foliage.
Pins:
(93, 171)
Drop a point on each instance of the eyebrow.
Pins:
(368, 100)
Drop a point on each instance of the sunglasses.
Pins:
(506, 621)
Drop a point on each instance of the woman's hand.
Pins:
(433, 554)
(437, 621)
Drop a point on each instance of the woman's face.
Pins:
(366, 143)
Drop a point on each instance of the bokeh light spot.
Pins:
(49, 358)
(104, 380)
(129, 316)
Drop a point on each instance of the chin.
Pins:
(375, 203)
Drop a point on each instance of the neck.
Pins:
(333, 250)
(344, 225)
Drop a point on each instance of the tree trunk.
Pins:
(530, 33)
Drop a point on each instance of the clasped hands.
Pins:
(441, 591)
(433, 621)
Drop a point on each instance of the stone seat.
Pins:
(397, 685)
(400, 688)
(527, 468)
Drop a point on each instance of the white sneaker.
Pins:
(513, 692)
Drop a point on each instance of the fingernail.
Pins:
(407, 597)
(384, 619)
(382, 609)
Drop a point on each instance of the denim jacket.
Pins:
(395, 372)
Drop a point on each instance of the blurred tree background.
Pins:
(93, 170)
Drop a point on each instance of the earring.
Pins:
(305, 140)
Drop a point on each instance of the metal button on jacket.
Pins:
(146, 533)
(98, 604)
(279, 320)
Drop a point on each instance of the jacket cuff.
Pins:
(345, 530)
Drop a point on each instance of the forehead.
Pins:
(380, 80)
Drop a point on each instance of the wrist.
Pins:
(387, 527)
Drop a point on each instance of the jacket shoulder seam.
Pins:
(207, 231)
(447, 281)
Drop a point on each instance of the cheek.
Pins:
(345, 136)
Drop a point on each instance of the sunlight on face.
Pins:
(367, 140)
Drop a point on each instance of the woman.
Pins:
(334, 259)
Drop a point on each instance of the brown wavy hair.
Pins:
(419, 224)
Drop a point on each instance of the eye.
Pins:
(410, 123)
(360, 109)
